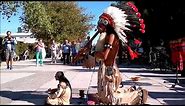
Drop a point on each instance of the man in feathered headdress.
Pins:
(116, 25)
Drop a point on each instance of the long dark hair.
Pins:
(61, 77)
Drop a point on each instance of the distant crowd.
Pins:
(65, 51)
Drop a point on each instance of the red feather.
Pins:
(141, 21)
(133, 54)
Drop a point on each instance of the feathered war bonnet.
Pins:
(125, 20)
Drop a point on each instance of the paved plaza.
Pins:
(27, 84)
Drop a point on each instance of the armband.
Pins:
(108, 46)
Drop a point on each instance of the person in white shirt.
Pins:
(53, 51)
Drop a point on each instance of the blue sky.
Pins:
(95, 8)
(92, 7)
(12, 25)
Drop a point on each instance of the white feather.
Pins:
(119, 18)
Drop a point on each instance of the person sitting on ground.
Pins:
(62, 94)
(26, 54)
(16, 57)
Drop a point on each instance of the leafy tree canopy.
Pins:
(48, 20)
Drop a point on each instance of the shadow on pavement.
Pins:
(140, 70)
(172, 98)
(132, 66)
(85, 70)
(173, 80)
(128, 82)
(29, 96)
(34, 97)
(169, 76)
(168, 79)
(79, 101)
(175, 102)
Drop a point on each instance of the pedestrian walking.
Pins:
(54, 49)
(66, 52)
(73, 51)
(9, 42)
(39, 49)
(78, 47)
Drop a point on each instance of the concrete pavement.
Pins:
(26, 84)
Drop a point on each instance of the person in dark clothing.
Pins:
(9, 43)
(66, 52)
